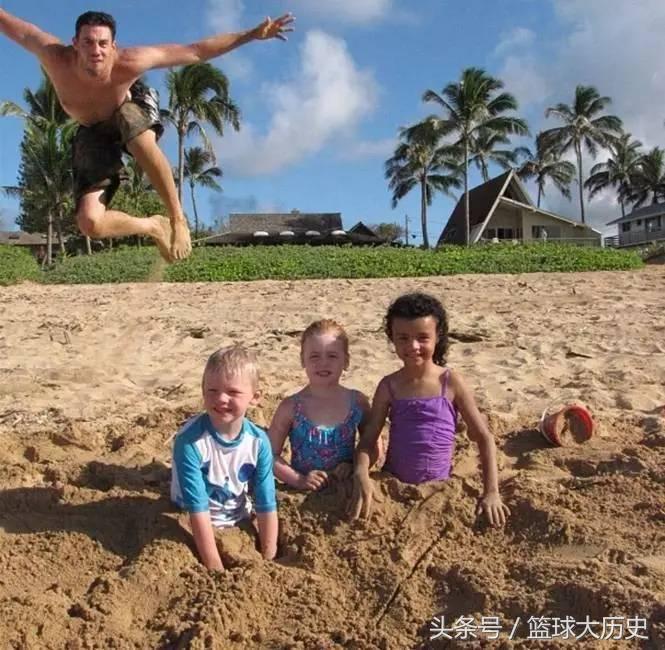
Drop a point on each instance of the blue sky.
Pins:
(320, 113)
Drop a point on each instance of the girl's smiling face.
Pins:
(414, 339)
(324, 358)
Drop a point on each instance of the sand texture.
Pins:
(95, 380)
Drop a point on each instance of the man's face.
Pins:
(95, 48)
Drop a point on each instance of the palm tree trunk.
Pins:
(58, 227)
(196, 214)
(423, 210)
(181, 160)
(623, 208)
(467, 227)
(540, 193)
(88, 245)
(578, 151)
(49, 240)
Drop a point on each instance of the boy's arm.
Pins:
(265, 502)
(479, 432)
(204, 538)
(268, 528)
(282, 422)
(27, 35)
(136, 60)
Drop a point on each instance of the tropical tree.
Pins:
(648, 182)
(470, 106)
(200, 170)
(198, 95)
(419, 161)
(584, 126)
(389, 231)
(618, 171)
(483, 150)
(45, 175)
(545, 165)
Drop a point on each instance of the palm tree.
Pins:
(420, 161)
(618, 170)
(649, 179)
(484, 151)
(471, 105)
(198, 173)
(544, 165)
(198, 94)
(583, 125)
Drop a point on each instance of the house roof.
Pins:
(483, 200)
(276, 222)
(361, 229)
(641, 213)
(249, 239)
(20, 238)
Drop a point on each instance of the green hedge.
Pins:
(120, 265)
(214, 264)
(17, 264)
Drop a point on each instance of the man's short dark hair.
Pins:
(96, 19)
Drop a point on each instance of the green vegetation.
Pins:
(214, 264)
(17, 265)
(120, 265)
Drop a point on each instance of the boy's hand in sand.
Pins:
(495, 510)
(360, 504)
(181, 243)
(314, 480)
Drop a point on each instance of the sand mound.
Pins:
(96, 379)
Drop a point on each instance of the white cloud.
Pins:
(514, 39)
(357, 150)
(326, 98)
(353, 11)
(227, 16)
(609, 44)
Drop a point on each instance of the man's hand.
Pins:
(360, 504)
(495, 510)
(314, 480)
(275, 28)
(181, 243)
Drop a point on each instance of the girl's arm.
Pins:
(268, 525)
(204, 538)
(280, 427)
(361, 499)
(366, 408)
(490, 503)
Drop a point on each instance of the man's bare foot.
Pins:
(163, 236)
(181, 243)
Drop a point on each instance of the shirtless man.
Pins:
(96, 83)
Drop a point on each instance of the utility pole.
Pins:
(406, 229)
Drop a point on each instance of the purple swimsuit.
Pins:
(422, 436)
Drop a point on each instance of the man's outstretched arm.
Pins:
(137, 60)
(26, 34)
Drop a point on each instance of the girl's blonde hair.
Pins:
(326, 326)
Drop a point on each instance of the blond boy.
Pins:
(219, 456)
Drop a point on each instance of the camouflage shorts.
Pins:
(97, 150)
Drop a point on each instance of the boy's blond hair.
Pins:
(232, 361)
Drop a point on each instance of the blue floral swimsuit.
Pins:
(323, 447)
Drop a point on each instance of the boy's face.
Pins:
(226, 397)
(323, 359)
(95, 48)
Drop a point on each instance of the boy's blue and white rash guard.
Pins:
(212, 474)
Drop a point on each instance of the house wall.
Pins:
(641, 231)
(526, 225)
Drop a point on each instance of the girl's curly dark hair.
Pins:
(420, 305)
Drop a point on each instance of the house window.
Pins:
(639, 222)
(625, 227)
(490, 233)
(537, 232)
(504, 233)
(653, 224)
